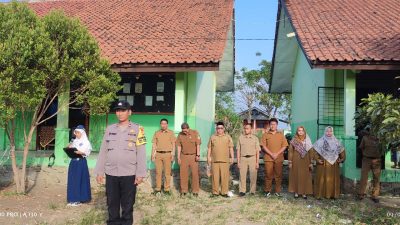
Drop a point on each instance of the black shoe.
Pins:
(167, 193)
(278, 194)
(252, 194)
(213, 195)
(375, 200)
(267, 194)
(195, 195)
(360, 197)
(304, 196)
(296, 195)
(183, 194)
(225, 196)
(241, 194)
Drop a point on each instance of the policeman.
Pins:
(220, 147)
(163, 155)
(188, 143)
(122, 159)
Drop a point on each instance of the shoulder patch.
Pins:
(141, 138)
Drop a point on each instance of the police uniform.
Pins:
(371, 161)
(122, 158)
(188, 143)
(164, 140)
(220, 147)
(249, 146)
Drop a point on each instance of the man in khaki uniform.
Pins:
(248, 149)
(220, 147)
(371, 162)
(163, 155)
(188, 143)
(274, 143)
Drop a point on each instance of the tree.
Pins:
(40, 60)
(272, 103)
(225, 111)
(246, 88)
(381, 113)
(253, 89)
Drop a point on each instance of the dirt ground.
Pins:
(45, 203)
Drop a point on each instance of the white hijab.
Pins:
(329, 147)
(82, 144)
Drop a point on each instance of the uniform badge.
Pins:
(141, 138)
(130, 144)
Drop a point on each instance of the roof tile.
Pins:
(156, 31)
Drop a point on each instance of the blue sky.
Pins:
(254, 19)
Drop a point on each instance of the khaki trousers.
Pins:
(163, 163)
(374, 165)
(248, 164)
(189, 162)
(273, 170)
(220, 177)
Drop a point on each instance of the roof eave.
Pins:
(356, 65)
(165, 67)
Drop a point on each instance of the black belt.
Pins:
(247, 156)
(371, 157)
(188, 154)
(163, 152)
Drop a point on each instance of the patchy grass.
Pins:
(258, 210)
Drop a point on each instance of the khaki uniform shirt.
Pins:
(220, 145)
(370, 147)
(164, 140)
(123, 151)
(274, 142)
(188, 142)
(248, 145)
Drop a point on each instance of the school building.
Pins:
(172, 56)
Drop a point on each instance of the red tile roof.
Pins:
(152, 31)
(347, 31)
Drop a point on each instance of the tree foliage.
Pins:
(225, 111)
(381, 113)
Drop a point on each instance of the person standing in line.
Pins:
(274, 143)
(188, 144)
(300, 166)
(163, 155)
(220, 148)
(329, 153)
(248, 150)
(371, 161)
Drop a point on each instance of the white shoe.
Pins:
(74, 204)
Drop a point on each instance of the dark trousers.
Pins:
(121, 193)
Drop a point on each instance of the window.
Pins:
(148, 92)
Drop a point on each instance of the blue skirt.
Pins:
(78, 187)
(394, 156)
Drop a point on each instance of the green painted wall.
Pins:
(205, 107)
(305, 95)
(2, 139)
